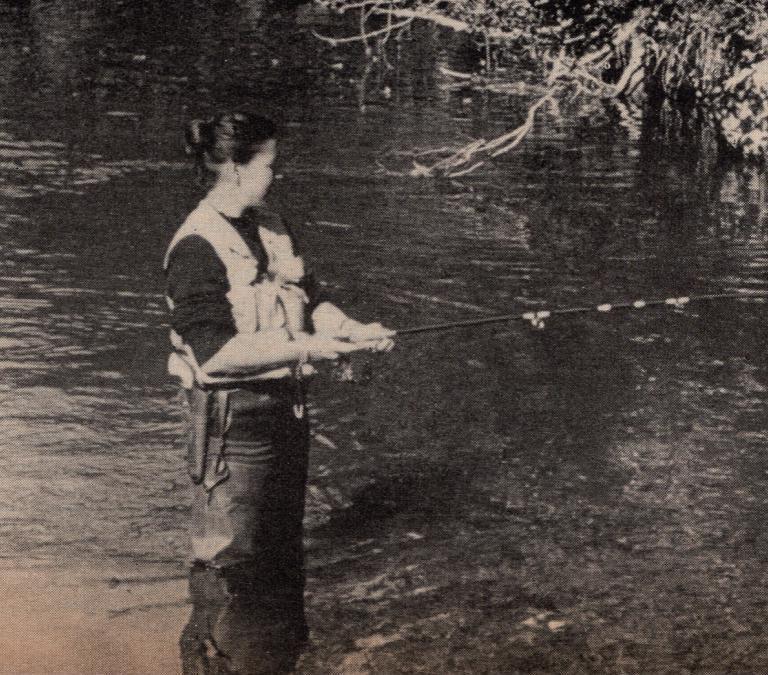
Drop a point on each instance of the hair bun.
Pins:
(197, 136)
(227, 137)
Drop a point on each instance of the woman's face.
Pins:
(256, 176)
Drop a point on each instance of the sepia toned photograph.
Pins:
(379, 337)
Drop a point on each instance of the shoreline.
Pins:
(105, 620)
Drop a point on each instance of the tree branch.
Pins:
(362, 37)
(439, 19)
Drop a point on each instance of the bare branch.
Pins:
(362, 37)
(455, 73)
(439, 19)
(362, 4)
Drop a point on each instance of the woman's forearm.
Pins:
(253, 352)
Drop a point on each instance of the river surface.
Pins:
(659, 411)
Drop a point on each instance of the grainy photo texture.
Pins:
(369, 337)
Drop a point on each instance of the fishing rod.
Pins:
(538, 317)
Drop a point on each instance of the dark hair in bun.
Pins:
(236, 136)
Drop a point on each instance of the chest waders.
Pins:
(247, 578)
(247, 458)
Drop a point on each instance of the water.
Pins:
(658, 413)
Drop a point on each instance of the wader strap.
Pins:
(197, 450)
(299, 395)
(217, 443)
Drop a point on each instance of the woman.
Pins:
(245, 331)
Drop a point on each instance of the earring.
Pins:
(237, 176)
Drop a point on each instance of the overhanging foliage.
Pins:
(709, 57)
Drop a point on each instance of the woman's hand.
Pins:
(373, 336)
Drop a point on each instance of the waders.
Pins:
(247, 458)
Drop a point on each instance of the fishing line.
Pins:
(537, 318)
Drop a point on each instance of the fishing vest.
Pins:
(259, 299)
